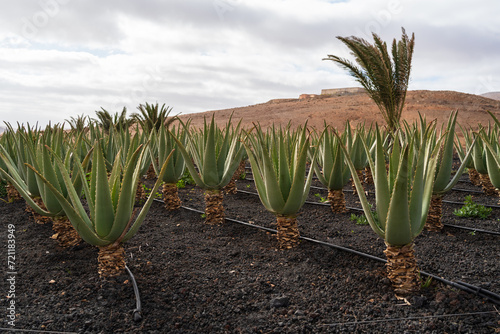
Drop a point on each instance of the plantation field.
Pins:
(231, 278)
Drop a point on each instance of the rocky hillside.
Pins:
(358, 108)
(492, 95)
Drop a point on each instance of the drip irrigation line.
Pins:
(138, 308)
(472, 229)
(479, 289)
(491, 296)
(364, 322)
(34, 331)
(468, 191)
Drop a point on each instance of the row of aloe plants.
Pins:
(88, 179)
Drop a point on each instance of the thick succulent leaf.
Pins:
(272, 188)
(339, 175)
(382, 190)
(398, 230)
(426, 197)
(295, 198)
(126, 195)
(361, 194)
(189, 161)
(209, 170)
(114, 181)
(104, 212)
(23, 191)
(417, 191)
(458, 174)
(74, 210)
(257, 169)
(478, 156)
(232, 161)
(142, 214)
(285, 182)
(446, 160)
(48, 171)
(492, 164)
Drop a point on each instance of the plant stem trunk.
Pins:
(171, 196)
(241, 171)
(111, 260)
(474, 177)
(402, 269)
(140, 194)
(214, 211)
(288, 232)
(12, 193)
(65, 234)
(361, 179)
(488, 188)
(368, 175)
(433, 222)
(230, 188)
(337, 201)
(38, 218)
(151, 174)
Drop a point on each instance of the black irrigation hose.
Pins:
(489, 295)
(468, 190)
(472, 229)
(138, 308)
(480, 290)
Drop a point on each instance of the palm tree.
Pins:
(78, 123)
(385, 80)
(153, 116)
(119, 120)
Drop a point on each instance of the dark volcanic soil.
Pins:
(196, 278)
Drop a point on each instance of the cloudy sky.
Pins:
(63, 58)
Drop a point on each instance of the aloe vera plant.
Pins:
(43, 202)
(479, 152)
(112, 219)
(491, 142)
(331, 168)
(164, 144)
(279, 170)
(354, 143)
(216, 155)
(403, 198)
(444, 181)
(15, 147)
(468, 138)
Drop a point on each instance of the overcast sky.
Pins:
(63, 58)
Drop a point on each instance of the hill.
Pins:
(357, 107)
(492, 95)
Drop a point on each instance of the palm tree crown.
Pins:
(152, 116)
(385, 80)
(119, 120)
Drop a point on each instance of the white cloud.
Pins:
(62, 58)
